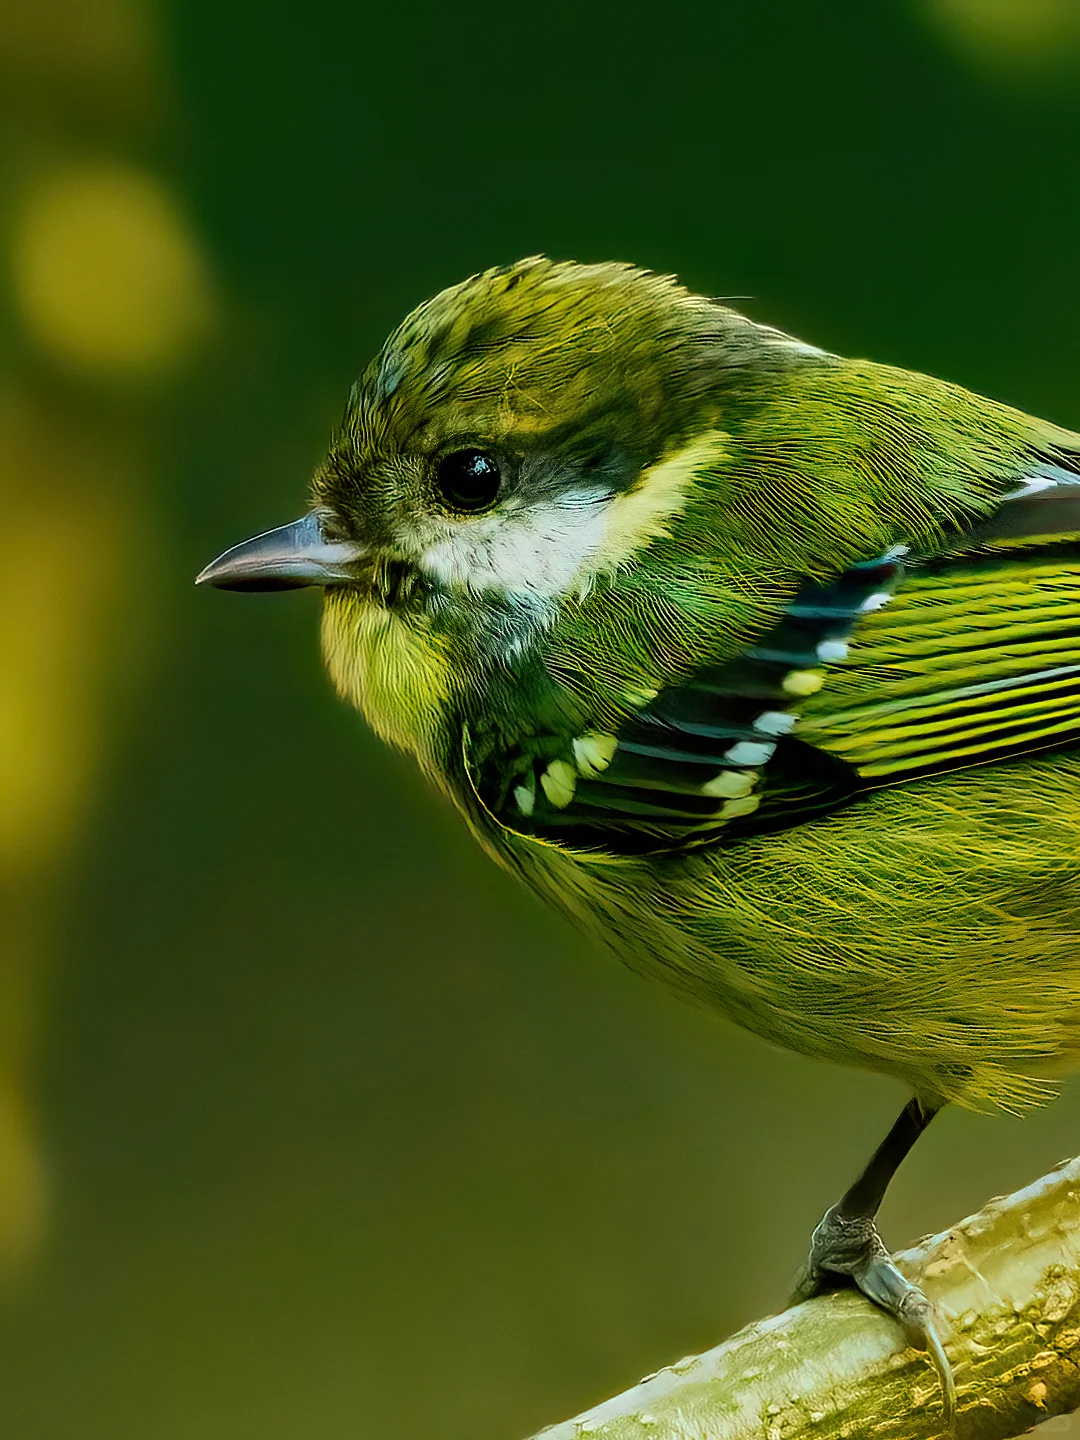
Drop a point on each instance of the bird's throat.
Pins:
(392, 666)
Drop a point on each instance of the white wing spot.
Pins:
(775, 722)
(525, 797)
(831, 650)
(749, 752)
(877, 601)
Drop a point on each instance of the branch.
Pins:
(1006, 1284)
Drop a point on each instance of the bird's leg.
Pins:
(846, 1247)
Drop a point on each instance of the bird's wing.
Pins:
(900, 667)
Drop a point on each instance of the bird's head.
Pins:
(516, 445)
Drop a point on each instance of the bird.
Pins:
(760, 664)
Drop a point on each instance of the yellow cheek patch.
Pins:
(390, 666)
(641, 514)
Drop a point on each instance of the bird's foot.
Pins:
(848, 1248)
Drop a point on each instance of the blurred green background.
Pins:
(311, 1123)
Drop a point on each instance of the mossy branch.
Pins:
(1006, 1284)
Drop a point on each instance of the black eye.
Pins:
(469, 480)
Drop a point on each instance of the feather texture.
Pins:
(795, 728)
(928, 927)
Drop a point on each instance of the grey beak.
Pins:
(284, 559)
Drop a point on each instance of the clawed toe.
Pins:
(847, 1247)
(883, 1283)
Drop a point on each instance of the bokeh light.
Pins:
(105, 284)
(1029, 38)
(107, 275)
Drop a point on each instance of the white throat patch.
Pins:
(534, 551)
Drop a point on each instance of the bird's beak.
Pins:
(285, 559)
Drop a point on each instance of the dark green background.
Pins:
(347, 1136)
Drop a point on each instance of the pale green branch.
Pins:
(1006, 1283)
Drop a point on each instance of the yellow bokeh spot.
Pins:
(1018, 35)
(107, 275)
(23, 1188)
(71, 538)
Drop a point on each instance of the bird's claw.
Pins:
(850, 1247)
(883, 1283)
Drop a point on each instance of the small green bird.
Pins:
(760, 664)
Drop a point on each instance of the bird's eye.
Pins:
(469, 479)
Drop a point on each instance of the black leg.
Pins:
(868, 1191)
(846, 1246)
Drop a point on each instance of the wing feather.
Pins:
(898, 668)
